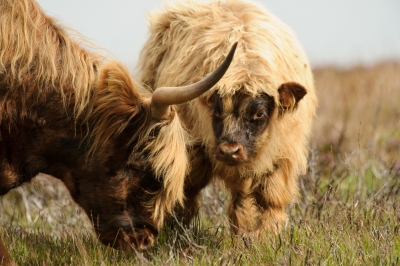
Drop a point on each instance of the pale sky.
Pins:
(339, 32)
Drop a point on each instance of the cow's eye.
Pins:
(210, 100)
(260, 114)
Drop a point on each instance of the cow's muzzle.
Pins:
(129, 241)
(231, 154)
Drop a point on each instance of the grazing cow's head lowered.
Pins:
(72, 114)
(140, 146)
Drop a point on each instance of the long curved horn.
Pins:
(165, 96)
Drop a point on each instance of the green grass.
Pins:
(349, 213)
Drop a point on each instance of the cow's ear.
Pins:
(115, 79)
(116, 92)
(290, 94)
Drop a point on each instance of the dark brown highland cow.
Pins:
(252, 129)
(75, 115)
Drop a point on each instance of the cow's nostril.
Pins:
(229, 149)
(231, 153)
(235, 150)
(146, 239)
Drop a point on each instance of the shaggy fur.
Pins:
(5, 258)
(188, 40)
(74, 114)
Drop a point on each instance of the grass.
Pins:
(349, 213)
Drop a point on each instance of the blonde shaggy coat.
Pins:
(188, 40)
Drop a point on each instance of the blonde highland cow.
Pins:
(251, 130)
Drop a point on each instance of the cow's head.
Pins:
(240, 121)
(134, 173)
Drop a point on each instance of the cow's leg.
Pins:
(275, 191)
(272, 217)
(8, 178)
(199, 177)
(258, 204)
(243, 212)
(5, 258)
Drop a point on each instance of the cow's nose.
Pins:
(229, 149)
(139, 240)
(231, 153)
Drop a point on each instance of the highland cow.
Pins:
(75, 115)
(251, 131)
